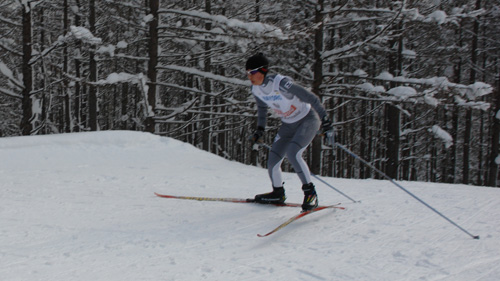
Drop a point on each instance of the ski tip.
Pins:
(163, 195)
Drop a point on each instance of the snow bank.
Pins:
(81, 207)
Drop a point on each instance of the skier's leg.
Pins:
(304, 134)
(275, 158)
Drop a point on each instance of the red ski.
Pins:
(296, 217)
(231, 200)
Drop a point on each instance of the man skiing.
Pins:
(292, 103)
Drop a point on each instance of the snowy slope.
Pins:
(81, 207)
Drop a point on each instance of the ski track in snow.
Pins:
(81, 207)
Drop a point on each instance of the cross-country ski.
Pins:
(240, 200)
(230, 200)
(296, 217)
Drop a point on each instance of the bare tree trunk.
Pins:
(92, 101)
(207, 87)
(480, 176)
(257, 10)
(495, 138)
(27, 102)
(318, 79)
(124, 106)
(393, 113)
(66, 92)
(393, 127)
(363, 151)
(466, 150)
(45, 96)
(452, 159)
(468, 117)
(77, 100)
(154, 5)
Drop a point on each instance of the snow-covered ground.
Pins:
(81, 207)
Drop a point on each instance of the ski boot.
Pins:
(310, 197)
(277, 196)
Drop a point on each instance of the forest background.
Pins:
(412, 86)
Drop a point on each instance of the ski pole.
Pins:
(318, 178)
(405, 190)
(329, 185)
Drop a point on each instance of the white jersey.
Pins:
(284, 104)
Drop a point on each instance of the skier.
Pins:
(299, 125)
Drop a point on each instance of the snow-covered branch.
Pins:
(406, 88)
(10, 93)
(255, 28)
(122, 77)
(76, 32)
(8, 21)
(4, 45)
(5, 70)
(442, 135)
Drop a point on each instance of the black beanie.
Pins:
(256, 61)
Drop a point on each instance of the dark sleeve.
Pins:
(304, 95)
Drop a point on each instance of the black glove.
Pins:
(257, 135)
(327, 130)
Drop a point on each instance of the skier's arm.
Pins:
(304, 95)
(261, 123)
(261, 113)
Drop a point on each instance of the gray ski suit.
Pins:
(292, 103)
